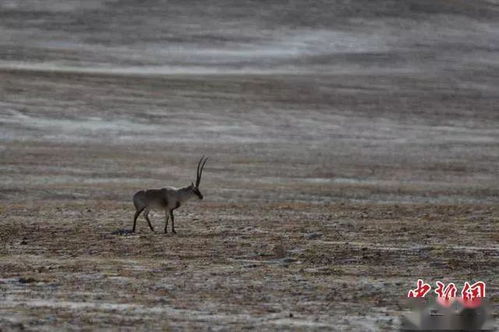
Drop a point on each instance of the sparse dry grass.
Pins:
(253, 271)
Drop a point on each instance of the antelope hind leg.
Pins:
(146, 214)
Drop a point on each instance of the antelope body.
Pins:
(167, 199)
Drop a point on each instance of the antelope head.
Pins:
(195, 188)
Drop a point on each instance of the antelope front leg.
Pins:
(166, 221)
(173, 222)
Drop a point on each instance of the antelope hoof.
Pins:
(174, 232)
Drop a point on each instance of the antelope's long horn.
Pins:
(200, 170)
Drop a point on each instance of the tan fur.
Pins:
(166, 199)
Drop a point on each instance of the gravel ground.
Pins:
(353, 150)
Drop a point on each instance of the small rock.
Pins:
(122, 232)
(288, 260)
(313, 236)
(26, 280)
(284, 261)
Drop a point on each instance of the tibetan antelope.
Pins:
(167, 199)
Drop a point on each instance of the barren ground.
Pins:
(316, 218)
(354, 148)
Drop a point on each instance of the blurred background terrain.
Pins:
(353, 149)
